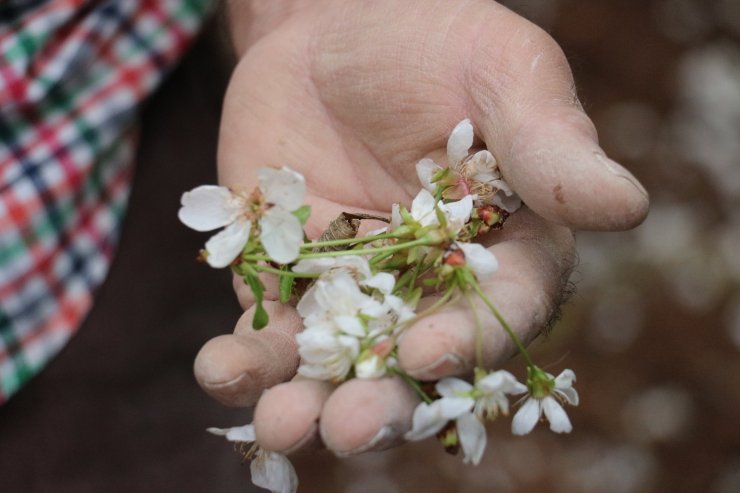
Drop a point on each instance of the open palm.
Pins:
(352, 95)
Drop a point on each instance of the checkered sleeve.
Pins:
(72, 73)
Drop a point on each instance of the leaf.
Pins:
(261, 318)
(303, 213)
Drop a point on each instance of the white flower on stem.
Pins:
(209, 207)
(326, 354)
(546, 399)
(478, 174)
(468, 405)
(350, 318)
(424, 211)
(270, 470)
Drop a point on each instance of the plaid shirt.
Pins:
(72, 73)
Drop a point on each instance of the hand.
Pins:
(352, 95)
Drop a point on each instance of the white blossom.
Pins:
(478, 174)
(270, 470)
(468, 405)
(349, 314)
(423, 210)
(531, 411)
(209, 207)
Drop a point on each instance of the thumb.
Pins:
(546, 146)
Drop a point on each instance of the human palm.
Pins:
(352, 95)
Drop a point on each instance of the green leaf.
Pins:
(261, 318)
(303, 213)
(286, 288)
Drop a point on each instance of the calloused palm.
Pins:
(352, 95)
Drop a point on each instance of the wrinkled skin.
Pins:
(352, 95)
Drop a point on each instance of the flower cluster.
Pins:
(351, 318)
(357, 294)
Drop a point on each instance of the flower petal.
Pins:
(225, 246)
(505, 198)
(482, 167)
(565, 379)
(208, 207)
(281, 235)
(564, 386)
(453, 387)
(556, 415)
(454, 407)
(396, 219)
(570, 394)
(526, 417)
(382, 281)
(370, 367)
(274, 472)
(458, 212)
(480, 259)
(236, 434)
(425, 170)
(501, 381)
(472, 435)
(422, 208)
(427, 421)
(350, 325)
(282, 187)
(460, 141)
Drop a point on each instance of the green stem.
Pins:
(478, 333)
(346, 241)
(286, 273)
(344, 253)
(433, 308)
(517, 342)
(380, 257)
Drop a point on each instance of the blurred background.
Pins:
(653, 331)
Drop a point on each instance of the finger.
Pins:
(235, 369)
(363, 415)
(522, 98)
(286, 417)
(535, 259)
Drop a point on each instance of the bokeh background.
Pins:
(653, 331)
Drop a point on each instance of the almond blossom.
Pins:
(546, 395)
(468, 405)
(271, 207)
(476, 174)
(270, 470)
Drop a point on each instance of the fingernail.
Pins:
(227, 384)
(618, 170)
(383, 437)
(311, 435)
(447, 364)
